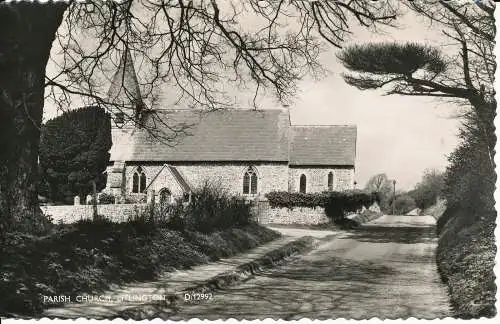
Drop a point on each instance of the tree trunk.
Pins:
(27, 31)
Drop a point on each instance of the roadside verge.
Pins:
(232, 277)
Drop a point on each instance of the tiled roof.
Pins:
(323, 145)
(225, 135)
(180, 179)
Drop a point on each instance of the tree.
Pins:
(193, 46)
(466, 78)
(403, 204)
(429, 189)
(74, 152)
(380, 184)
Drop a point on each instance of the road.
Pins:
(386, 269)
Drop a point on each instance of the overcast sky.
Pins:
(400, 136)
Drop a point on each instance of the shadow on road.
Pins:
(401, 235)
(327, 268)
(371, 271)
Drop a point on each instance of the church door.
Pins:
(165, 196)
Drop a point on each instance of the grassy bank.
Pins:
(465, 257)
(89, 256)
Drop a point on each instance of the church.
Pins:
(169, 153)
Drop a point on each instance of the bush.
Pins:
(212, 208)
(429, 190)
(465, 257)
(106, 199)
(404, 204)
(336, 204)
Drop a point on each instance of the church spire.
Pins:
(124, 90)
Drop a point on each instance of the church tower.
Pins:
(126, 107)
(124, 94)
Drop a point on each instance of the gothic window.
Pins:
(139, 181)
(302, 185)
(250, 181)
(330, 181)
(119, 119)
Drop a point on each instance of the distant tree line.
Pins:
(424, 195)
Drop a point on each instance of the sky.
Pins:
(399, 136)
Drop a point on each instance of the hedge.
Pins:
(336, 203)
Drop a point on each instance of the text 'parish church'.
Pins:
(249, 152)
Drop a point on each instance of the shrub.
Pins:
(212, 208)
(106, 199)
(403, 204)
(134, 199)
(429, 190)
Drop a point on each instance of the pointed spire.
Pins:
(124, 89)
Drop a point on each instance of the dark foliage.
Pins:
(465, 258)
(212, 209)
(336, 204)
(466, 250)
(88, 256)
(387, 58)
(74, 152)
(105, 199)
(429, 190)
(470, 177)
(403, 204)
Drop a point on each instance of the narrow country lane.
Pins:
(386, 269)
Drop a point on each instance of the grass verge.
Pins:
(241, 273)
(90, 256)
(465, 258)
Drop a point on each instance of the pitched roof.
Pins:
(180, 179)
(224, 135)
(124, 88)
(323, 145)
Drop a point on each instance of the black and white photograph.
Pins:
(247, 159)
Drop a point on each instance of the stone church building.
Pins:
(169, 153)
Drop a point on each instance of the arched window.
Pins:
(302, 185)
(250, 181)
(330, 181)
(139, 181)
(119, 119)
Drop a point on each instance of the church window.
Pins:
(250, 181)
(330, 181)
(138, 181)
(119, 118)
(302, 185)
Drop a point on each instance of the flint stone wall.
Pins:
(265, 214)
(73, 213)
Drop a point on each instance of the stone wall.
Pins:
(265, 214)
(271, 176)
(317, 178)
(73, 213)
(298, 215)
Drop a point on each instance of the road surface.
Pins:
(386, 269)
